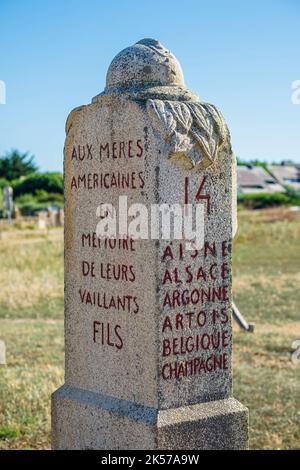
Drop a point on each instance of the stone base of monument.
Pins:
(87, 420)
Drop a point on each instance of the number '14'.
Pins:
(200, 193)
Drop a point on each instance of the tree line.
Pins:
(33, 190)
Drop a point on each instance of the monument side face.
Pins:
(148, 337)
(195, 289)
(109, 284)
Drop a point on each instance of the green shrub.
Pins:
(30, 208)
(41, 196)
(264, 200)
(29, 203)
(44, 196)
(48, 182)
(25, 199)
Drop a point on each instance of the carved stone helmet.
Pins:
(144, 69)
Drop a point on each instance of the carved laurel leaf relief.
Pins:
(194, 131)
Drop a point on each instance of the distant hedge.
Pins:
(263, 200)
(30, 208)
(29, 203)
(48, 182)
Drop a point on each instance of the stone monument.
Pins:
(148, 336)
(8, 201)
(2, 353)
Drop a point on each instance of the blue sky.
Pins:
(240, 56)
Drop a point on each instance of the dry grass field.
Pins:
(266, 290)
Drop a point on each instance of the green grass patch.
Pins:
(9, 433)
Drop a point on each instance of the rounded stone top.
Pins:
(145, 63)
(146, 70)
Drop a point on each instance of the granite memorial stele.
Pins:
(148, 336)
